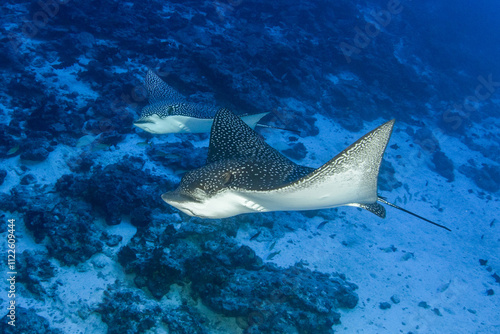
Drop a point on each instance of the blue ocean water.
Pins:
(91, 247)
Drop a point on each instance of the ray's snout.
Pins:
(173, 197)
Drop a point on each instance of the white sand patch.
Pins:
(47, 172)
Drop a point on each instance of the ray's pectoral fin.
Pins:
(159, 91)
(350, 178)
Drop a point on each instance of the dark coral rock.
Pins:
(82, 163)
(305, 124)
(161, 266)
(384, 305)
(27, 322)
(68, 227)
(3, 175)
(387, 179)
(33, 268)
(126, 257)
(111, 240)
(424, 305)
(7, 141)
(185, 320)
(73, 239)
(97, 127)
(496, 277)
(8, 49)
(232, 280)
(437, 312)
(161, 271)
(140, 281)
(443, 165)
(17, 200)
(28, 179)
(140, 217)
(38, 222)
(71, 185)
(36, 150)
(426, 140)
(395, 299)
(110, 138)
(491, 151)
(297, 152)
(126, 311)
(486, 178)
(118, 190)
(44, 115)
(110, 119)
(291, 295)
(245, 257)
(173, 155)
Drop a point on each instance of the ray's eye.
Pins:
(170, 110)
(227, 178)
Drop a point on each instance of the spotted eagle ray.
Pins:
(169, 112)
(243, 174)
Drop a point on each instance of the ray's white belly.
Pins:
(226, 204)
(182, 124)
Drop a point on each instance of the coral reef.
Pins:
(72, 236)
(234, 281)
(443, 165)
(32, 323)
(34, 267)
(118, 189)
(126, 311)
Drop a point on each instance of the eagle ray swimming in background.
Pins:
(169, 112)
(243, 174)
